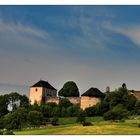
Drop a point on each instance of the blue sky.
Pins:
(95, 46)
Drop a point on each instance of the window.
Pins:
(36, 89)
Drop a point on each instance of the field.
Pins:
(70, 127)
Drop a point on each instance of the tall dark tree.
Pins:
(3, 105)
(69, 89)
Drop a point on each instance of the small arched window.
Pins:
(36, 89)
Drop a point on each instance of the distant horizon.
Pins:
(24, 89)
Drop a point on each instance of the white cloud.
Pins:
(130, 31)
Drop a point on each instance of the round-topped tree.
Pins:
(69, 89)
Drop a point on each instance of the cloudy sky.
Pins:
(95, 46)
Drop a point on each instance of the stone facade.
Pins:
(41, 91)
(89, 101)
(52, 100)
(135, 93)
(35, 94)
(74, 100)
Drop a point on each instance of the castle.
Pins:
(43, 92)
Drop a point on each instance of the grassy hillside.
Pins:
(99, 127)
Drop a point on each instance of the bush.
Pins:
(80, 119)
(81, 116)
(119, 112)
(16, 119)
(73, 111)
(6, 132)
(86, 123)
(35, 118)
(54, 121)
(64, 102)
(139, 125)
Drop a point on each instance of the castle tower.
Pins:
(40, 91)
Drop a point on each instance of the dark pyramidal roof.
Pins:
(43, 84)
(94, 92)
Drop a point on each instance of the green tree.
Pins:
(56, 112)
(119, 96)
(69, 89)
(64, 112)
(35, 106)
(64, 102)
(81, 116)
(54, 121)
(24, 101)
(16, 119)
(97, 110)
(14, 99)
(35, 118)
(73, 111)
(118, 112)
(137, 107)
(3, 105)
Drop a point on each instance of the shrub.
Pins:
(86, 123)
(54, 121)
(6, 132)
(81, 116)
(73, 111)
(35, 118)
(119, 112)
(16, 119)
(64, 102)
(139, 125)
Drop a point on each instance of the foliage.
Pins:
(52, 104)
(3, 105)
(81, 116)
(24, 101)
(119, 96)
(69, 89)
(16, 119)
(86, 123)
(96, 110)
(137, 108)
(64, 102)
(54, 121)
(56, 112)
(35, 118)
(1, 123)
(6, 132)
(64, 112)
(118, 112)
(35, 106)
(73, 111)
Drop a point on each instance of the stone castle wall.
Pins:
(52, 100)
(135, 94)
(89, 101)
(74, 100)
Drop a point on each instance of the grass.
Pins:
(99, 127)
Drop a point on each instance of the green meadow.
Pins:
(68, 126)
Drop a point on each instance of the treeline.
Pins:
(16, 112)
